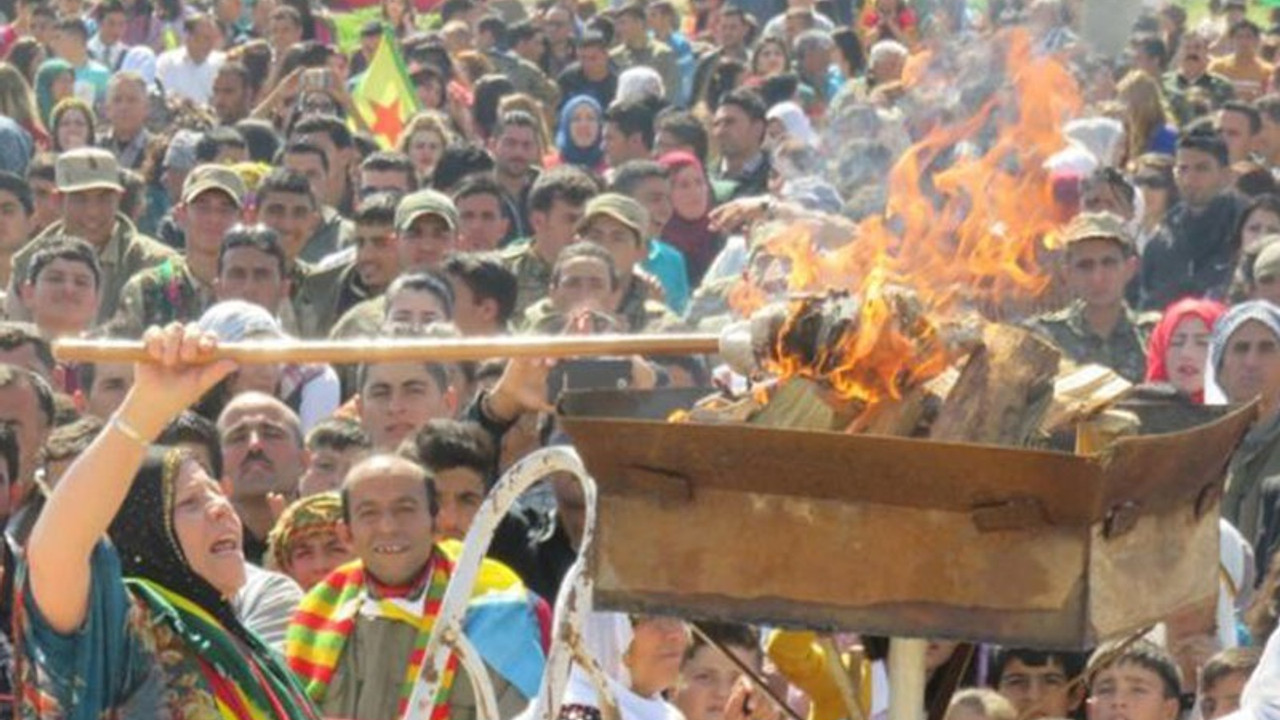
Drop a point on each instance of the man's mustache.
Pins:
(257, 456)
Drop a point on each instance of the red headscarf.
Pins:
(1207, 310)
(693, 237)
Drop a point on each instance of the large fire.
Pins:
(970, 239)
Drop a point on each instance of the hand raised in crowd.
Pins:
(748, 703)
(521, 389)
(180, 371)
(285, 89)
(592, 322)
(737, 215)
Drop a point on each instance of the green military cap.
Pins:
(214, 177)
(87, 168)
(425, 202)
(1097, 226)
(620, 208)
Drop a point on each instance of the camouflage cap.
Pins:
(1097, 226)
(214, 177)
(425, 202)
(87, 168)
(619, 207)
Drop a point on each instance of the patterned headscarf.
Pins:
(159, 575)
(143, 535)
(305, 518)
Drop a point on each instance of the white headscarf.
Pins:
(638, 82)
(1100, 136)
(142, 60)
(795, 121)
(1257, 310)
(606, 637)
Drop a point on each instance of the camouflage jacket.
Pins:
(1124, 351)
(125, 255)
(163, 294)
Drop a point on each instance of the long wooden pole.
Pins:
(406, 350)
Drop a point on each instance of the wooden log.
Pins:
(1082, 392)
(797, 403)
(405, 350)
(1098, 432)
(1002, 392)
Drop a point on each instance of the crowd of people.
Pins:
(195, 539)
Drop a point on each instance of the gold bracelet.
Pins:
(129, 431)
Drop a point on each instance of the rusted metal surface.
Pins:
(899, 536)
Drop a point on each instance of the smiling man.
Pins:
(88, 182)
(426, 233)
(355, 665)
(369, 271)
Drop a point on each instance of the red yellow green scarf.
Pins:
(328, 614)
(246, 686)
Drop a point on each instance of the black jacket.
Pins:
(1193, 253)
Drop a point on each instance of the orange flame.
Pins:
(975, 242)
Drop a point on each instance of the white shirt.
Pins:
(184, 78)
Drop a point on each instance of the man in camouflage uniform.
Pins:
(555, 207)
(637, 48)
(620, 225)
(426, 231)
(288, 204)
(1098, 326)
(88, 180)
(181, 289)
(344, 285)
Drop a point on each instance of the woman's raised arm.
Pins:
(81, 507)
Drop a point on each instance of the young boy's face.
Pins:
(397, 399)
(1222, 697)
(327, 469)
(1038, 691)
(1129, 691)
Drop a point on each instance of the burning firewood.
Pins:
(831, 362)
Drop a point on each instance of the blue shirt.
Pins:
(667, 264)
(122, 660)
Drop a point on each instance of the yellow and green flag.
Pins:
(383, 96)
